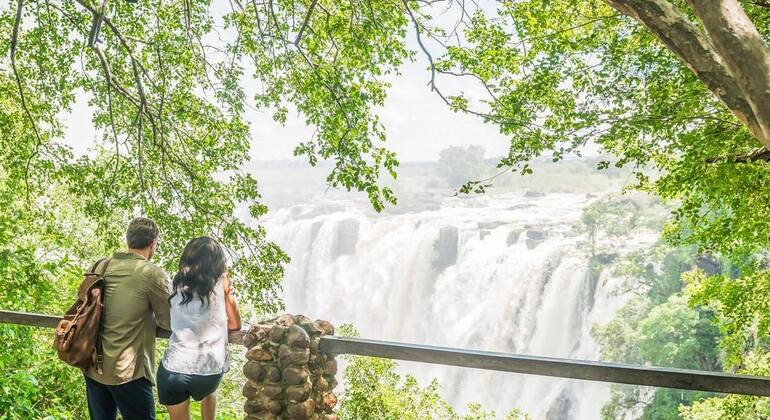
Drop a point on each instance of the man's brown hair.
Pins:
(141, 232)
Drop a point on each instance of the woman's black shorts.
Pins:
(175, 388)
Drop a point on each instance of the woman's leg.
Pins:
(209, 406)
(179, 411)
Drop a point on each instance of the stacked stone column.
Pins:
(288, 378)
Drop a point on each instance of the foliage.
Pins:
(670, 334)
(658, 327)
(458, 164)
(374, 390)
(169, 112)
(610, 216)
(735, 407)
(741, 307)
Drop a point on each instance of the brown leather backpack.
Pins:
(78, 341)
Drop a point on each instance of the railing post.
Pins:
(288, 378)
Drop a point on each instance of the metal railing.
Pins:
(532, 365)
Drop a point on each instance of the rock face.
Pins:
(606, 257)
(490, 225)
(535, 238)
(708, 264)
(446, 247)
(287, 377)
(513, 237)
(346, 237)
(534, 194)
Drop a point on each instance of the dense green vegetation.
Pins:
(556, 76)
(374, 390)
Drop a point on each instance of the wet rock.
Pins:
(606, 257)
(446, 247)
(490, 225)
(560, 409)
(536, 235)
(535, 238)
(534, 194)
(513, 237)
(708, 264)
(483, 234)
(521, 206)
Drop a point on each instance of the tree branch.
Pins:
(696, 51)
(743, 50)
(17, 76)
(305, 22)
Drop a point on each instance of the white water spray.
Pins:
(499, 273)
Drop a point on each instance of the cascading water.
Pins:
(500, 273)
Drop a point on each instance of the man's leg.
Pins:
(101, 405)
(135, 400)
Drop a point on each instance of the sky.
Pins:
(418, 123)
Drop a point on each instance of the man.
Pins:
(136, 301)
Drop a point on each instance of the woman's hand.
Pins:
(227, 285)
(231, 306)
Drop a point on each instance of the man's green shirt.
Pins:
(136, 301)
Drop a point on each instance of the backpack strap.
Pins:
(99, 348)
(104, 267)
(90, 280)
(96, 264)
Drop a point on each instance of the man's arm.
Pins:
(158, 294)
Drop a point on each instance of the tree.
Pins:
(554, 75)
(610, 216)
(671, 88)
(457, 164)
(669, 334)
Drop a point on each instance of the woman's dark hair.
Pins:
(202, 263)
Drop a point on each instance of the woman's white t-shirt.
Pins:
(198, 343)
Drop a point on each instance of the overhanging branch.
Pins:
(672, 27)
(744, 52)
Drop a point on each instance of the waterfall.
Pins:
(499, 273)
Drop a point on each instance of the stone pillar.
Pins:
(288, 378)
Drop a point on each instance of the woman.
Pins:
(203, 309)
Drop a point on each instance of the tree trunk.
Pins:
(713, 59)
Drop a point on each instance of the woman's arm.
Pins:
(231, 306)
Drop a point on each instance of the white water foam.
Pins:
(498, 273)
